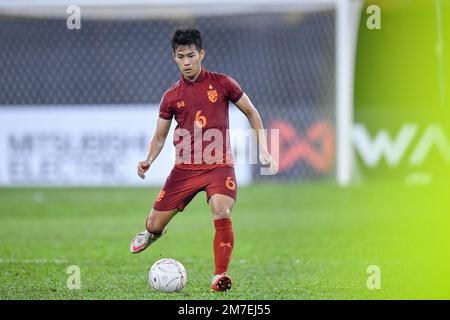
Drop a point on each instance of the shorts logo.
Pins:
(161, 195)
(230, 184)
(212, 94)
(180, 104)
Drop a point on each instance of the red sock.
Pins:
(223, 244)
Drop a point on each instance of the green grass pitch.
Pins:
(291, 242)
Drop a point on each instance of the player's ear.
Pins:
(202, 54)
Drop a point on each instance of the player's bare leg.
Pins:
(158, 220)
(221, 206)
(155, 227)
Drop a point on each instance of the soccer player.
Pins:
(199, 103)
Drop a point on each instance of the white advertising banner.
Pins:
(88, 145)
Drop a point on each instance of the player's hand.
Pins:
(142, 168)
(266, 160)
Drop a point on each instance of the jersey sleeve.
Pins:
(165, 109)
(234, 90)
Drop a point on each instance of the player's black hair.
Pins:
(186, 37)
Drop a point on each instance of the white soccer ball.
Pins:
(167, 275)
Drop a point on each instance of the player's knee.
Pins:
(221, 212)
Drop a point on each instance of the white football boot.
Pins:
(221, 282)
(143, 240)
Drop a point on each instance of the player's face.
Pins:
(189, 60)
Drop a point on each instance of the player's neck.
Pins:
(195, 77)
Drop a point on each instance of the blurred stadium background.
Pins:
(363, 117)
(121, 63)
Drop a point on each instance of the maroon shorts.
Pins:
(182, 186)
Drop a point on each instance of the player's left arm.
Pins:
(246, 106)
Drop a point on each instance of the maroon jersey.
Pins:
(200, 108)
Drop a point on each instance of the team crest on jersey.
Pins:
(180, 104)
(212, 94)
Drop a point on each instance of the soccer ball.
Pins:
(167, 275)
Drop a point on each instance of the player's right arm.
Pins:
(155, 147)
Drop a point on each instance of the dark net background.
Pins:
(284, 62)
